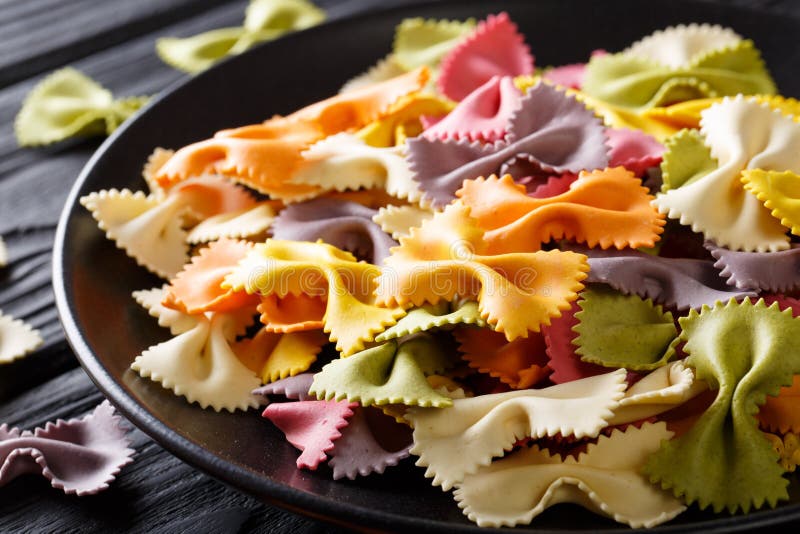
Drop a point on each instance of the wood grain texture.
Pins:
(112, 41)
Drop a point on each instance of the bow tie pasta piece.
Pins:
(483, 115)
(68, 103)
(404, 119)
(293, 387)
(177, 321)
(521, 363)
(495, 48)
(432, 317)
(392, 373)
(292, 313)
(197, 288)
(673, 282)
(782, 413)
(745, 137)
(344, 162)
(317, 269)
(606, 208)
(150, 228)
(686, 160)
(79, 456)
(640, 83)
(443, 259)
(265, 156)
(774, 271)
(311, 426)
(397, 221)
(17, 339)
(265, 20)
(676, 46)
(345, 225)
(550, 132)
(457, 441)
(199, 363)
(633, 149)
(155, 161)
(744, 352)
(273, 356)
(419, 41)
(615, 330)
(605, 479)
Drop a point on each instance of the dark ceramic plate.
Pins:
(94, 280)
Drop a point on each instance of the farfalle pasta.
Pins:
(471, 263)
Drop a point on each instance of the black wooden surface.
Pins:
(112, 41)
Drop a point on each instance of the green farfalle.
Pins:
(686, 159)
(616, 330)
(264, 20)
(639, 83)
(68, 103)
(745, 352)
(434, 316)
(420, 42)
(386, 374)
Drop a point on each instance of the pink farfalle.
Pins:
(312, 426)
(79, 456)
(358, 452)
(566, 365)
(555, 185)
(632, 149)
(495, 48)
(482, 115)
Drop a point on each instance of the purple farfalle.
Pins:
(294, 388)
(679, 282)
(778, 272)
(80, 456)
(551, 132)
(357, 452)
(343, 224)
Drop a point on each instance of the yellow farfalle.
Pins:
(780, 193)
(445, 258)
(318, 269)
(274, 356)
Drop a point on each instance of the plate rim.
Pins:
(316, 506)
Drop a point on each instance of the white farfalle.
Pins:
(147, 228)
(398, 221)
(3, 253)
(454, 442)
(199, 362)
(234, 225)
(343, 161)
(741, 134)
(17, 339)
(385, 69)
(154, 162)
(664, 389)
(605, 479)
(676, 46)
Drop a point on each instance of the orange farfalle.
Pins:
(520, 363)
(608, 208)
(196, 289)
(292, 313)
(782, 413)
(264, 156)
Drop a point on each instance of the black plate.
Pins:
(94, 280)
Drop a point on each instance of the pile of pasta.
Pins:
(574, 283)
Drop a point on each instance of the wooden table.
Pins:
(112, 41)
